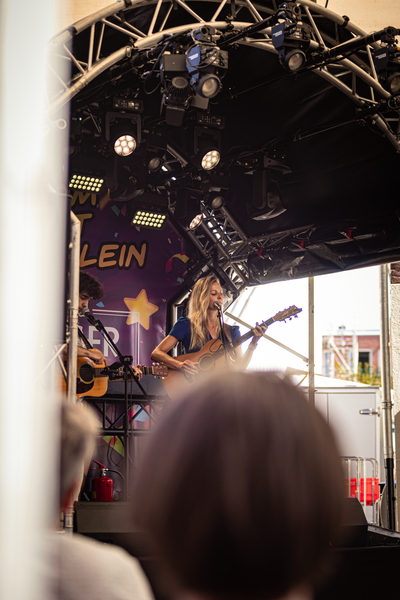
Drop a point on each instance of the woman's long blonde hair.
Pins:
(197, 311)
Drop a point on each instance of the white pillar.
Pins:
(32, 272)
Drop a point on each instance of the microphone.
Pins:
(86, 313)
(216, 305)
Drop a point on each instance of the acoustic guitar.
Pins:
(92, 379)
(213, 355)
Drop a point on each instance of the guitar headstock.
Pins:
(159, 370)
(287, 314)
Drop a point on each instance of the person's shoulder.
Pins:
(82, 559)
(182, 323)
(183, 320)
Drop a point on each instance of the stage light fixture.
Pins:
(124, 145)
(387, 67)
(86, 183)
(196, 221)
(294, 60)
(217, 202)
(291, 45)
(149, 210)
(206, 64)
(207, 85)
(154, 163)
(207, 144)
(210, 159)
(152, 220)
(175, 87)
(393, 82)
(187, 208)
(123, 132)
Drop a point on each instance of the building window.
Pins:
(364, 360)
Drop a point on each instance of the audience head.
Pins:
(241, 489)
(79, 428)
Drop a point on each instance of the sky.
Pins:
(350, 298)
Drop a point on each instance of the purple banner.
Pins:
(140, 269)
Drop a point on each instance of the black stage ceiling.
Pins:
(308, 180)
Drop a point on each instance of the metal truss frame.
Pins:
(219, 235)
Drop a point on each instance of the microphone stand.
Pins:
(223, 336)
(126, 361)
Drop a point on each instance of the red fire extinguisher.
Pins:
(102, 486)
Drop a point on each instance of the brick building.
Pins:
(345, 352)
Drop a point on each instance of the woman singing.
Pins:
(202, 326)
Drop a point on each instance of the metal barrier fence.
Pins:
(364, 488)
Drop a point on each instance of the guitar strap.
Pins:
(84, 339)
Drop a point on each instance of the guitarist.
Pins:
(202, 326)
(90, 288)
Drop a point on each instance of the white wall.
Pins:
(32, 270)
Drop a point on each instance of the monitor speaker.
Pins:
(112, 523)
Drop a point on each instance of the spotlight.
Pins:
(207, 148)
(178, 92)
(291, 46)
(124, 145)
(154, 163)
(388, 70)
(196, 221)
(144, 218)
(187, 209)
(123, 132)
(85, 182)
(294, 60)
(149, 210)
(207, 85)
(210, 159)
(393, 83)
(217, 202)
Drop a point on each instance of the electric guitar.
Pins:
(92, 379)
(213, 354)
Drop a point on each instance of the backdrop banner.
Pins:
(140, 269)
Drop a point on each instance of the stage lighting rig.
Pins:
(123, 132)
(387, 66)
(149, 210)
(191, 70)
(292, 41)
(176, 89)
(188, 209)
(207, 148)
(206, 64)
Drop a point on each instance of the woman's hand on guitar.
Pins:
(258, 331)
(189, 367)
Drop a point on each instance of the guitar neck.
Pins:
(241, 339)
(248, 335)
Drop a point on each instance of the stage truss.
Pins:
(220, 239)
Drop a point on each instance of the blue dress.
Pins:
(181, 330)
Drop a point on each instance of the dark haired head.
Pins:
(90, 285)
(241, 489)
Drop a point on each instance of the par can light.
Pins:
(210, 160)
(125, 145)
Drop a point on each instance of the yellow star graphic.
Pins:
(140, 305)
